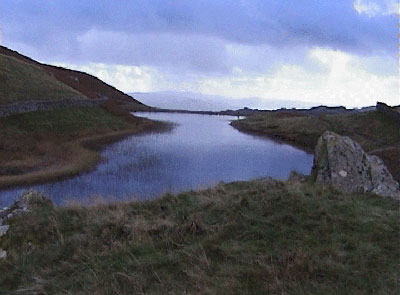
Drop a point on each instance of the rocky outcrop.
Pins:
(28, 200)
(341, 163)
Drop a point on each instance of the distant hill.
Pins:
(20, 81)
(201, 102)
(83, 83)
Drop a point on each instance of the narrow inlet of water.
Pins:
(199, 152)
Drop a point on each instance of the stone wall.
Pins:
(45, 105)
(388, 111)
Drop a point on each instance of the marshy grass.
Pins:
(258, 237)
(50, 145)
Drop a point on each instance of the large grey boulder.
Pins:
(340, 162)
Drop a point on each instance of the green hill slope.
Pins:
(84, 83)
(20, 81)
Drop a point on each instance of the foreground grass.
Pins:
(375, 132)
(260, 237)
(20, 81)
(41, 146)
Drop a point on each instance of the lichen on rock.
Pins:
(341, 162)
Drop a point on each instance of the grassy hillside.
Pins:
(259, 237)
(84, 83)
(376, 133)
(20, 81)
(41, 146)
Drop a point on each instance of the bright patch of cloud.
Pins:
(373, 8)
(124, 78)
(345, 80)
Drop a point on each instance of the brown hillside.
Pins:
(86, 84)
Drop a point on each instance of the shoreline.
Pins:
(274, 137)
(303, 132)
(90, 147)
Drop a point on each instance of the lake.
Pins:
(199, 152)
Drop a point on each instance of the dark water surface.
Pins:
(201, 151)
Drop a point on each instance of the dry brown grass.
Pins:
(44, 146)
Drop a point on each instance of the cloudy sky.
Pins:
(341, 52)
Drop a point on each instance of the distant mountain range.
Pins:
(201, 102)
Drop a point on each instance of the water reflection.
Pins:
(201, 151)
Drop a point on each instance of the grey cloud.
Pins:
(192, 35)
(200, 53)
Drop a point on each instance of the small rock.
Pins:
(3, 254)
(18, 212)
(297, 177)
(33, 198)
(3, 230)
(3, 213)
(39, 281)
